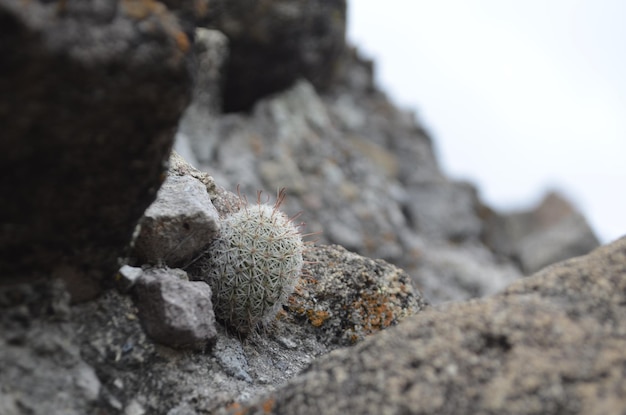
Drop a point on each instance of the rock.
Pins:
(346, 297)
(551, 232)
(210, 53)
(178, 225)
(91, 96)
(42, 368)
(127, 277)
(446, 272)
(274, 43)
(176, 312)
(444, 210)
(549, 344)
(224, 201)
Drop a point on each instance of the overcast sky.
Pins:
(520, 97)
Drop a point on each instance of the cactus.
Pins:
(253, 265)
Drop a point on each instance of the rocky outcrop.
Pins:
(549, 344)
(101, 86)
(104, 361)
(91, 96)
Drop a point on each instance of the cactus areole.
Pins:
(253, 265)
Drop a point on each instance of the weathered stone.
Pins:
(127, 277)
(41, 366)
(445, 210)
(552, 231)
(346, 297)
(446, 272)
(224, 201)
(552, 343)
(181, 221)
(91, 96)
(174, 311)
(274, 43)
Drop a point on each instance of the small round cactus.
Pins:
(253, 265)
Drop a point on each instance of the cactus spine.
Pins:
(253, 265)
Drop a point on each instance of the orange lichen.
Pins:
(375, 312)
(182, 41)
(235, 409)
(268, 405)
(317, 317)
(140, 9)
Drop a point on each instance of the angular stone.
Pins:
(174, 311)
(177, 225)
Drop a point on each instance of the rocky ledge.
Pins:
(411, 300)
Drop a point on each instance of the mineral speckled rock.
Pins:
(345, 297)
(178, 225)
(175, 311)
(552, 343)
(91, 96)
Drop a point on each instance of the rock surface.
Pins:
(551, 232)
(552, 343)
(275, 42)
(178, 225)
(45, 339)
(101, 85)
(91, 96)
(175, 311)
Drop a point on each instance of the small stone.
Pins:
(175, 312)
(126, 277)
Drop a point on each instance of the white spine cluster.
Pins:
(253, 265)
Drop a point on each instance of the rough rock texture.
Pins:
(551, 232)
(175, 311)
(91, 96)
(95, 357)
(41, 367)
(91, 93)
(552, 343)
(210, 51)
(348, 297)
(364, 174)
(275, 42)
(181, 221)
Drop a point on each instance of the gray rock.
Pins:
(549, 344)
(210, 53)
(288, 39)
(345, 297)
(127, 277)
(174, 311)
(42, 368)
(224, 201)
(552, 231)
(91, 96)
(458, 272)
(181, 221)
(444, 210)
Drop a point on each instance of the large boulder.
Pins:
(552, 343)
(91, 96)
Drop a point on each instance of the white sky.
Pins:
(520, 97)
